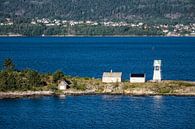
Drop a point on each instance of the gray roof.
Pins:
(112, 74)
(63, 82)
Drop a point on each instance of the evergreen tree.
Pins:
(8, 64)
(58, 75)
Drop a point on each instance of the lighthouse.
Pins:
(157, 71)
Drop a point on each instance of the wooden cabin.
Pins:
(62, 85)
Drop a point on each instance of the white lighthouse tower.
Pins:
(157, 71)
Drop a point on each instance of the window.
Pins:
(157, 68)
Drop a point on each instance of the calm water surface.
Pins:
(92, 56)
(98, 112)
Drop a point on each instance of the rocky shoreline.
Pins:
(13, 95)
(18, 94)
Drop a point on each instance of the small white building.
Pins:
(62, 85)
(138, 78)
(157, 71)
(110, 77)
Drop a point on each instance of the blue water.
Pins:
(89, 57)
(98, 112)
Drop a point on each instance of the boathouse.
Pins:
(62, 85)
(137, 78)
(110, 77)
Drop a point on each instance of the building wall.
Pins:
(137, 79)
(62, 87)
(111, 79)
(157, 71)
(157, 76)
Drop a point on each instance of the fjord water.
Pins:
(90, 56)
(98, 112)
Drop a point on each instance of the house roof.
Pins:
(112, 74)
(62, 82)
(137, 75)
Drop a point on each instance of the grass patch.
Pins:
(78, 85)
(179, 83)
(164, 90)
(58, 92)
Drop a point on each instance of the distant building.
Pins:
(109, 77)
(157, 71)
(192, 34)
(62, 85)
(138, 78)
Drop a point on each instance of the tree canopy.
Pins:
(131, 10)
(8, 64)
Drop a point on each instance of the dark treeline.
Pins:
(38, 30)
(32, 30)
(15, 80)
(128, 10)
(12, 79)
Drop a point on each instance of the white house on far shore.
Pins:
(138, 78)
(62, 85)
(110, 77)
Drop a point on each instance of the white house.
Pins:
(157, 71)
(62, 85)
(138, 78)
(109, 77)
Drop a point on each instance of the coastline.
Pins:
(64, 36)
(72, 92)
(21, 94)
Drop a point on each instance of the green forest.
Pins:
(150, 12)
(12, 79)
(38, 30)
(128, 10)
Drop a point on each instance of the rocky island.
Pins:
(15, 83)
(88, 86)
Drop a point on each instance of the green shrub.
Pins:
(100, 89)
(81, 87)
(125, 87)
(58, 75)
(183, 84)
(53, 87)
(58, 92)
(165, 90)
(8, 64)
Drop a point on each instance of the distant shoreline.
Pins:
(64, 36)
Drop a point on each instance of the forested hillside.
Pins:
(97, 17)
(129, 10)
